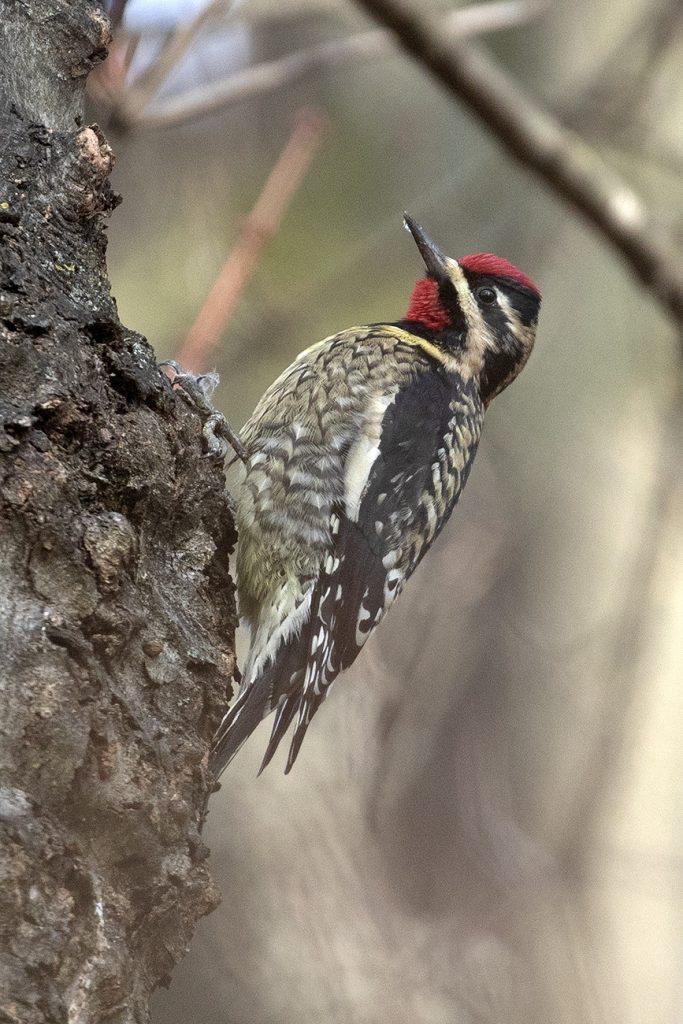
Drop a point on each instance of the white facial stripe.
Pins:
(480, 337)
(506, 306)
(525, 334)
(465, 297)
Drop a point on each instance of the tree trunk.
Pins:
(116, 607)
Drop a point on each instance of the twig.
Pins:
(107, 81)
(133, 101)
(261, 225)
(562, 158)
(132, 44)
(270, 75)
(116, 11)
(616, 95)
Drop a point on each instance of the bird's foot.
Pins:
(197, 391)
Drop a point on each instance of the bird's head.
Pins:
(481, 310)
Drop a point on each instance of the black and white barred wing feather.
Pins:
(397, 496)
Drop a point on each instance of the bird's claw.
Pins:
(197, 390)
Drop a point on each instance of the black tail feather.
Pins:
(250, 708)
(295, 745)
(256, 701)
(283, 717)
(308, 706)
(252, 705)
(279, 686)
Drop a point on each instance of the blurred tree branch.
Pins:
(109, 82)
(643, 610)
(129, 103)
(135, 98)
(117, 9)
(616, 92)
(538, 140)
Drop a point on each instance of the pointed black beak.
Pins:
(434, 259)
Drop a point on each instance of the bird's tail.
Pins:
(252, 705)
(256, 700)
(279, 687)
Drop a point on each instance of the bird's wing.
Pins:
(402, 482)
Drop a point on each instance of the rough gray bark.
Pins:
(116, 607)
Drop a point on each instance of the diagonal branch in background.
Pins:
(260, 226)
(116, 11)
(561, 157)
(130, 109)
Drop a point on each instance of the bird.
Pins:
(354, 460)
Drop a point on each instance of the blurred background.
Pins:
(485, 821)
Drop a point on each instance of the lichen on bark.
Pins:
(116, 605)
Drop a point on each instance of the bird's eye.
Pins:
(486, 295)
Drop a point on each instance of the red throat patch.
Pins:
(425, 306)
(496, 266)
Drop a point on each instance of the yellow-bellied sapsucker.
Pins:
(356, 456)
